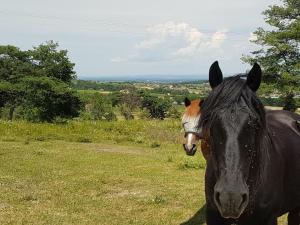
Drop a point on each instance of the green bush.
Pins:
(97, 107)
(158, 107)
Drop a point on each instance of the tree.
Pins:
(51, 62)
(97, 107)
(279, 54)
(158, 107)
(37, 83)
(128, 103)
(14, 63)
(45, 99)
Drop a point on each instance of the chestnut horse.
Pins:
(192, 133)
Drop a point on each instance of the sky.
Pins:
(113, 38)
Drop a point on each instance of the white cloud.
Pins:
(218, 38)
(176, 41)
(147, 44)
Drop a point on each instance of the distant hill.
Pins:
(147, 78)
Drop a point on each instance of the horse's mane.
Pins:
(222, 102)
(224, 98)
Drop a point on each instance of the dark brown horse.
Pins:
(253, 173)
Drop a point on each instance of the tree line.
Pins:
(38, 85)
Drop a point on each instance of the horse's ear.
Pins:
(187, 102)
(215, 75)
(254, 77)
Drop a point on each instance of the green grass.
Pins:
(134, 132)
(125, 172)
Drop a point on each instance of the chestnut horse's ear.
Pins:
(187, 102)
(201, 102)
(254, 77)
(215, 75)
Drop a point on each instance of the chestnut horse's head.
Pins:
(190, 121)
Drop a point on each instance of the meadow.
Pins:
(98, 172)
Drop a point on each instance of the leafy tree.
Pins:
(37, 82)
(14, 63)
(51, 62)
(10, 97)
(44, 99)
(279, 54)
(116, 98)
(158, 107)
(98, 107)
(128, 103)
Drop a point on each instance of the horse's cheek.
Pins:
(205, 149)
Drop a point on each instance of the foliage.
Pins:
(290, 103)
(35, 83)
(144, 114)
(97, 107)
(51, 62)
(129, 102)
(115, 98)
(44, 99)
(126, 111)
(158, 107)
(279, 54)
(174, 113)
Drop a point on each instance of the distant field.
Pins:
(99, 173)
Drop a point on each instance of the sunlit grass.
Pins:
(129, 132)
(123, 172)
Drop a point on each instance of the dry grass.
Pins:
(99, 173)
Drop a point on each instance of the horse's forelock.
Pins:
(193, 110)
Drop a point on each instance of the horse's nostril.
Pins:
(244, 199)
(217, 198)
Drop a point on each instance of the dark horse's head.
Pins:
(234, 118)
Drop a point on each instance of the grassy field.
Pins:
(99, 173)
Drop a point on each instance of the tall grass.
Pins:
(152, 133)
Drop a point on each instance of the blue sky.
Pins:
(138, 37)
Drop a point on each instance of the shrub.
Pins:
(126, 111)
(157, 107)
(97, 107)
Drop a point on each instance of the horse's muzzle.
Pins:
(191, 151)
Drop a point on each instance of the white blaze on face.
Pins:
(190, 126)
(191, 139)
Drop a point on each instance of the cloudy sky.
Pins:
(138, 37)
